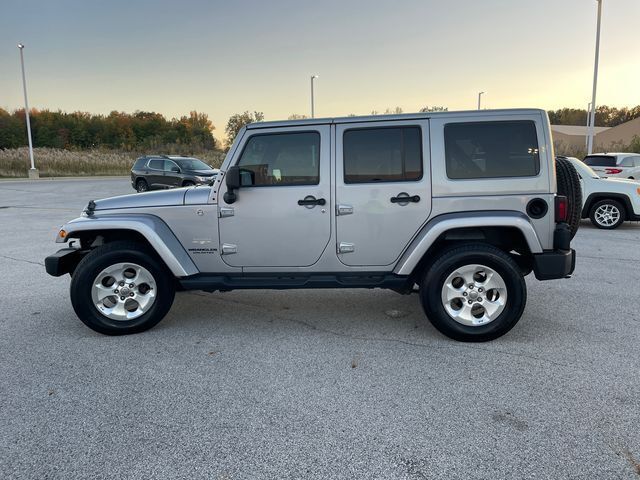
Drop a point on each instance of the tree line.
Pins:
(605, 116)
(118, 131)
(145, 131)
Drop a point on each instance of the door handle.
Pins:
(310, 201)
(405, 198)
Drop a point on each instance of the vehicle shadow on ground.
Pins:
(358, 314)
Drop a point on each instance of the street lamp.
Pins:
(479, 99)
(586, 138)
(313, 77)
(592, 120)
(33, 172)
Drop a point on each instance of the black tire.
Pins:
(569, 186)
(456, 257)
(188, 183)
(615, 205)
(99, 259)
(142, 185)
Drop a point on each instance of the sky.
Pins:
(225, 57)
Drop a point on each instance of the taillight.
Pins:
(562, 209)
(612, 171)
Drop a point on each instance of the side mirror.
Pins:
(175, 169)
(232, 180)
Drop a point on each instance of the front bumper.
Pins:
(63, 261)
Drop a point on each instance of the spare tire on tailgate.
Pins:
(569, 186)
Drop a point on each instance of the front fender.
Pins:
(152, 228)
(443, 223)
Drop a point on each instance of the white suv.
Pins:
(623, 165)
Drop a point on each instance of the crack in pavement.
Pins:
(22, 260)
(37, 207)
(632, 260)
(392, 340)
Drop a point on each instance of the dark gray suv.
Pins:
(165, 171)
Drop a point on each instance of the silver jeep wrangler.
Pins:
(458, 206)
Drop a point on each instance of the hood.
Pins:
(204, 173)
(626, 181)
(160, 198)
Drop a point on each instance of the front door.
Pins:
(281, 216)
(383, 189)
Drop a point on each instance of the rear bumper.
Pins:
(554, 264)
(559, 262)
(63, 261)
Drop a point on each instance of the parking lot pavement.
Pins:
(313, 384)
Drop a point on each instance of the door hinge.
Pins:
(344, 247)
(226, 212)
(344, 209)
(229, 249)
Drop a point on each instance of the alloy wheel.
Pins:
(123, 291)
(474, 295)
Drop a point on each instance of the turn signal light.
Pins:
(612, 171)
(562, 209)
(62, 234)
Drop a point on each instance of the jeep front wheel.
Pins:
(119, 289)
(473, 293)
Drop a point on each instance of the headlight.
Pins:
(202, 179)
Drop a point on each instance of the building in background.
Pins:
(572, 139)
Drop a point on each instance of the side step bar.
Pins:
(212, 282)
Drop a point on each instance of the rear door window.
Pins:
(156, 164)
(491, 149)
(630, 162)
(600, 161)
(388, 154)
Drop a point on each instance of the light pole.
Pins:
(592, 120)
(586, 138)
(33, 172)
(313, 77)
(479, 99)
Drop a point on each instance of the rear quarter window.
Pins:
(491, 149)
(139, 164)
(600, 161)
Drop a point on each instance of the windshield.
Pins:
(583, 169)
(192, 164)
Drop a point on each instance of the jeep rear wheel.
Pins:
(119, 289)
(473, 293)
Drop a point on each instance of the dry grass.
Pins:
(52, 162)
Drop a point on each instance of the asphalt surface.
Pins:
(313, 384)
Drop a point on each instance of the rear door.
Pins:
(155, 167)
(383, 189)
(629, 167)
